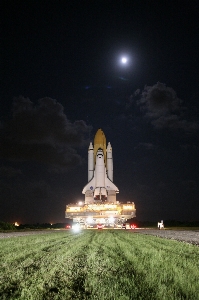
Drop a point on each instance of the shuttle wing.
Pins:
(109, 185)
(90, 186)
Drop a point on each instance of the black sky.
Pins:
(61, 80)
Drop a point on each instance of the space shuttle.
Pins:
(100, 187)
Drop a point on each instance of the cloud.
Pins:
(145, 146)
(9, 172)
(189, 184)
(189, 147)
(29, 201)
(164, 109)
(159, 100)
(42, 133)
(174, 122)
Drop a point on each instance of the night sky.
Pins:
(61, 78)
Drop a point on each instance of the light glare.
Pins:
(111, 220)
(89, 220)
(124, 60)
(76, 227)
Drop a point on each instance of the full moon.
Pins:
(124, 60)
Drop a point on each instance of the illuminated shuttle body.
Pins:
(100, 205)
(100, 186)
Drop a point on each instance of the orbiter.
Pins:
(100, 205)
(100, 187)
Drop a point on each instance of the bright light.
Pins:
(16, 224)
(111, 220)
(80, 202)
(100, 226)
(126, 207)
(76, 227)
(133, 226)
(124, 60)
(89, 220)
(75, 208)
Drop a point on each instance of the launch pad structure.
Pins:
(100, 205)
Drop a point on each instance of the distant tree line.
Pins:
(43, 226)
(175, 223)
(7, 226)
(167, 223)
(140, 224)
(10, 226)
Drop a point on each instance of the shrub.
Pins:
(6, 226)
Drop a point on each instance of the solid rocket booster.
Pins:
(100, 171)
(109, 162)
(90, 162)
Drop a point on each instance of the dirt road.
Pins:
(187, 236)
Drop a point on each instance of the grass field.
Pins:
(98, 264)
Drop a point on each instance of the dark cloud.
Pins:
(159, 100)
(189, 184)
(28, 200)
(191, 147)
(174, 122)
(164, 109)
(42, 133)
(144, 146)
(9, 172)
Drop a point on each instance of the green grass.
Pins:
(98, 264)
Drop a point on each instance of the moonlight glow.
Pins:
(124, 60)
